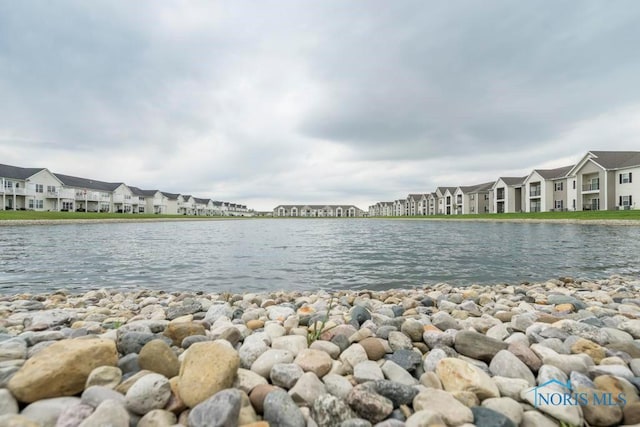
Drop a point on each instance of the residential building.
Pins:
(440, 200)
(32, 189)
(86, 195)
(412, 206)
(547, 190)
(604, 180)
(473, 199)
(317, 211)
(508, 196)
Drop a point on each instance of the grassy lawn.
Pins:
(578, 215)
(34, 216)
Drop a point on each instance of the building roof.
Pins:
(554, 173)
(170, 196)
(616, 159)
(511, 180)
(415, 196)
(74, 181)
(318, 206)
(486, 186)
(15, 172)
(201, 201)
(137, 192)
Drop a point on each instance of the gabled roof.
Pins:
(616, 159)
(74, 181)
(136, 191)
(170, 196)
(201, 201)
(443, 190)
(554, 173)
(511, 180)
(414, 196)
(15, 172)
(477, 188)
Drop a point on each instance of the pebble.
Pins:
(281, 410)
(220, 410)
(149, 392)
(477, 351)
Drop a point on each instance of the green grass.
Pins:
(34, 216)
(578, 215)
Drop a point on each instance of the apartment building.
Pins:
(601, 180)
(547, 190)
(316, 211)
(42, 190)
(604, 180)
(473, 199)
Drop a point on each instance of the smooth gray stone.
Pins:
(220, 410)
(47, 411)
(95, 395)
(485, 417)
(281, 410)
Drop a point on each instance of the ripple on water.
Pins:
(261, 255)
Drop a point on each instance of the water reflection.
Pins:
(307, 254)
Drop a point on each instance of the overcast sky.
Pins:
(268, 102)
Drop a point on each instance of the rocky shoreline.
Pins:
(563, 352)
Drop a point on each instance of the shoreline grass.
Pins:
(631, 216)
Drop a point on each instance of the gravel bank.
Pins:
(435, 356)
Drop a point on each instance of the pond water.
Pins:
(303, 254)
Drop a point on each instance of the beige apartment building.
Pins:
(601, 180)
(318, 211)
(39, 189)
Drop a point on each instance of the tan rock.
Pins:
(247, 413)
(458, 375)
(61, 369)
(157, 356)
(106, 376)
(175, 404)
(596, 351)
(315, 361)
(207, 368)
(255, 324)
(374, 348)
(564, 307)
(179, 331)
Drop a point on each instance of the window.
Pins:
(574, 184)
(30, 203)
(51, 188)
(625, 201)
(625, 178)
(558, 186)
(39, 188)
(8, 184)
(141, 209)
(559, 204)
(472, 197)
(39, 204)
(574, 202)
(67, 206)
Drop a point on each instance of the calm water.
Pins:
(265, 254)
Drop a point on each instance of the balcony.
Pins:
(121, 198)
(535, 192)
(87, 195)
(594, 186)
(20, 191)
